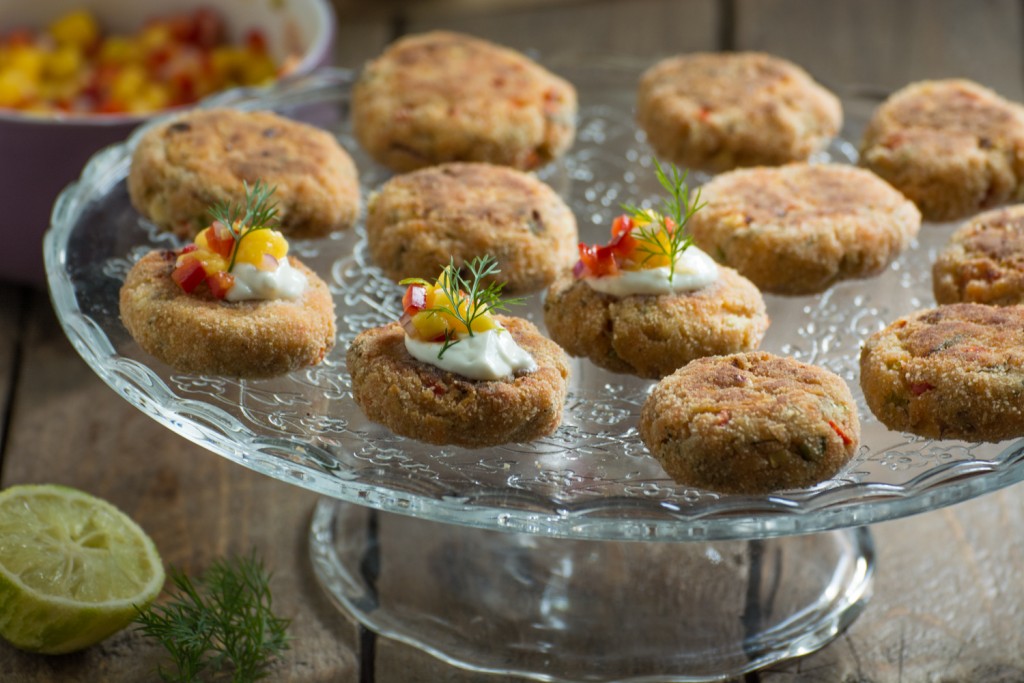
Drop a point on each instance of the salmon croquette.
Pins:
(442, 96)
(200, 159)
(653, 335)
(799, 228)
(421, 401)
(951, 146)
(418, 221)
(984, 261)
(750, 423)
(196, 333)
(952, 372)
(718, 111)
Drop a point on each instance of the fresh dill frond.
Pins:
(456, 288)
(258, 212)
(223, 623)
(654, 234)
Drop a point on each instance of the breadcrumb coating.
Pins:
(750, 423)
(200, 159)
(443, 96)
(421, 401)
(952, 372)
(196, 333)
(718, 111)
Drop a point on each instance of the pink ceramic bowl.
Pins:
(39, 155)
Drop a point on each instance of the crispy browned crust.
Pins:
(196, 333)
(953, 372)
(951, 146)
(199, 159)
(443, 96)
(418, 400)
(984, 261)
(464, 210)
(750, 423)
(652, 336)
(717, 111)
(799, 228)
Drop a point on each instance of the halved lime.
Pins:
(72, 568)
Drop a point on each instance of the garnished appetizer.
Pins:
(452, 370)
(455, 329)
(649, 302)
(232, 302)
(650, 252)
(240, 256)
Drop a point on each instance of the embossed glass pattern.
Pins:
(593, 477)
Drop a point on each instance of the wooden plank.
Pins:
(357, 40)
(885, 44)
(12, 302)
(70, 428)
(947, 604)
(641, 28)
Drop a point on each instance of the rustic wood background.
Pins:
(948, 604)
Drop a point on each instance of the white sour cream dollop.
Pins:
(251, 283)
(694, 270)
(493, 354)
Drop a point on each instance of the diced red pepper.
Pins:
(415, 299)
(256, 41)
(918, 388)
(189, 275)
(839, 430)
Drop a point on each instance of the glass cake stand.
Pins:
(571, 558)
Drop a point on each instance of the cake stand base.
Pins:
(554, 609)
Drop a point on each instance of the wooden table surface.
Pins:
(948, 603)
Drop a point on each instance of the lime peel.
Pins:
(73, 568)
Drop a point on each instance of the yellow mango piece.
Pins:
(15, 88)
(429, 326)
(27, 59)
(119, 50)
(63, 63)
(78, 28)
(155, 37)
(256, 243)
(128, 83)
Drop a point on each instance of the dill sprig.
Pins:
(455, 287)
(257, 213)
(651, 225)
(224, 622)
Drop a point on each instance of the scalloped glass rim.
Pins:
(303, 462)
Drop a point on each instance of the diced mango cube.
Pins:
(78, 28)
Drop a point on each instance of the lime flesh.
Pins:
(73, 568)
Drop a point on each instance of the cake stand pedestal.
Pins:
(556, 609)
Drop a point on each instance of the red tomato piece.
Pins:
(256, 40)
(598, 261)
(622, 225)
(209, 28)
(220, 240)
(189, 275)
(220, 283)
